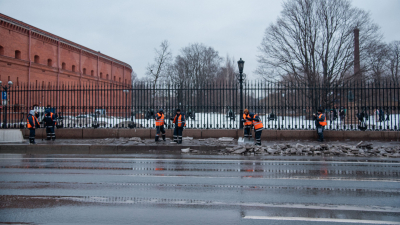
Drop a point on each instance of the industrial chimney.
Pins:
(357, 68)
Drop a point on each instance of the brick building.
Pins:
(29, 55)
(41, 65)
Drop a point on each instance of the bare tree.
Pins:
(196, 65)
(376, 62)
(394, 61)
(227, 76)
(133, 77)
(157, 69)
(146, 80)
(228, 71)
(312, 41)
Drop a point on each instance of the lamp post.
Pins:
(126, 103)
(241, 77)
(5, 97)
(283, 113)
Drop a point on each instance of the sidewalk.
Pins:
(204, 146)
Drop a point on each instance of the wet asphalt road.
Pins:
(197, 189)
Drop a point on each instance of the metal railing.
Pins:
(347, 106)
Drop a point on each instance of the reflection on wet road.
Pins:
(187, 189)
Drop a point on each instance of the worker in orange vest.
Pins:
(50, 122)
(258, 127)
(320, 123)
(160, 125)
(247, 123)
(180, 123)
(32, 123)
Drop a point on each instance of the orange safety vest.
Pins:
(29, 124)
(247, 122)
(160, 121)
(34, 119)
(51, 116)
(323, 123)
(180, 121)
(257, 125)
(37, 121)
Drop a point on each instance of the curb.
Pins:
(267, 135)
(100, 149)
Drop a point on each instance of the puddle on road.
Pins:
(242, 208)
(208, 188)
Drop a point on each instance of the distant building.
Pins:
(40, 63)
(31, 55)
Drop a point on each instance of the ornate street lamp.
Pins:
(241, 76)
(5, 97)
(240, 65)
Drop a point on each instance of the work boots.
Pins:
(157, 137)
(180, 140)
(32, 141)
(163, 137)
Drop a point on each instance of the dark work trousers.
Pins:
(320, 132)
(178, 134)
(31, 135)
(160, 129)
(258, 137)
(247, 132)
(50, 133)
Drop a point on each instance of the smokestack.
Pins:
(357, 68)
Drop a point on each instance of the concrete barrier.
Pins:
(330, 135)
(195, 133)
(268, 135)
(11, 135)
(99, 133)
(210, 133)
(69, 133)
(128, 133)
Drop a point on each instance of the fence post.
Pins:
(241, 65)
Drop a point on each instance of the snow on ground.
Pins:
(217, 120)
(221, 121)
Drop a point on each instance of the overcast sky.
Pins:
(129, 30)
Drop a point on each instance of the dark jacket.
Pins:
(362, 115)
(49, 120)
(158, 117)
(317, 120)
(381, 115)
(256, 118)
(341, 113)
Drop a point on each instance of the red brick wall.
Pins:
(70, 58)
(44, 50)
(43, 79)
(12, 40)
(14, 36)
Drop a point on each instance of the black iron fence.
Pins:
(347, 106)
